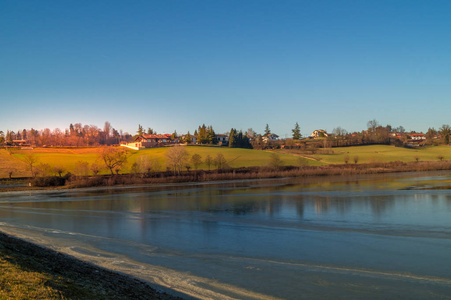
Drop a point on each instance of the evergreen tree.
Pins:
(150, 131)
(202, 134)
(232, 136)
(238, 140)
(267, 130)
(174, 135)
(296, 132)
(72, 129)
(188, 138)
(9, 137)
(140, 130)
(211, 136)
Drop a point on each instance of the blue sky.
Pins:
(177, 64)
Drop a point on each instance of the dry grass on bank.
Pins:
(32, 272)
(257, 173)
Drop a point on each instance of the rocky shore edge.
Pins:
(95, 280)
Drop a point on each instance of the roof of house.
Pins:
(153, 136)
(156, 136)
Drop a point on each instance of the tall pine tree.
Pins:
(296, 132)
(267, 130)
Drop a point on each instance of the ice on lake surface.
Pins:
(346, 237)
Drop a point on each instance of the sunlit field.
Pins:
(236, 158)
(68, 158)
(384, 153)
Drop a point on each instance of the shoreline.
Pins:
(88, 278)
(203, 176)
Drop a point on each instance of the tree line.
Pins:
(79, 135)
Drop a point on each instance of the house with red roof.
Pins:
(151, 141)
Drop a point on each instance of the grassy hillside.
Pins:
(68, 158)
(235, 157)
(384, 153)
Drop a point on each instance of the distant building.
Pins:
(319, 133)
(417, 136)
(222, 138)
(20, 143)
(270, 138)
(193, 138)
(151, 141)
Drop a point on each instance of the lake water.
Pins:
(340, 237)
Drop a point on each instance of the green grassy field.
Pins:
(235, 157)
(384, 153)
(68, 158)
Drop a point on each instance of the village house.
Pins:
(223, 139)
(20, 143)
(417, 136)
(193, 138)
(270, 138)
(151, 141)
(319, 133)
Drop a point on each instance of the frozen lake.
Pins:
(348, 237)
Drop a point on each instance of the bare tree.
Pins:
(356, 159)
(155, 164)
(196, 160)
(346, 159)
(81, 168)
(176, 158)
(59, 169)
(30, 159)
(95, 168)
(113, 158)
(372, 125)
(220, 161)
(208, 161)
(274, 161)
(340, 132)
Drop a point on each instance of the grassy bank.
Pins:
(32, 272)
(68, 158)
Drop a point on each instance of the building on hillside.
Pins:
(151, 141)
(223, 139)
(20, 143)
(270, 138)
(193, 138)
(417, 136)
(319, 133)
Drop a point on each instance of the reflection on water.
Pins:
(335, 237)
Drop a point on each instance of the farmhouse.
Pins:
(192, 137)
(20, 143)
(222, 139)
(319, 133)
(151, 141)
(417, 136)
(270, 138)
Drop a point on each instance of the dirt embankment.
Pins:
(68, 277)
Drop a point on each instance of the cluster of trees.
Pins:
(239, 140)
(206, 135)
(77, 135)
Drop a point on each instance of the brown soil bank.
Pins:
(29, 271)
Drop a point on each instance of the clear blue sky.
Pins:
(177, 64)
